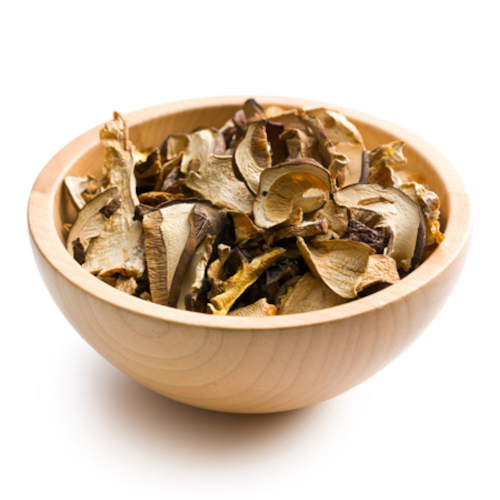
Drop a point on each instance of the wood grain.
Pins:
(244, 365)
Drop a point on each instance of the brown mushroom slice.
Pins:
(120, 246)
(259, 309)
(357, 170)
(390, 209)
(253, 110)
(148, 168)
(381, 269)
(429, 203)
(214, 271)
(126, 284)
(193, 279)
(89, 223)
(252, 154)
(274, 110)
(167, 231)
(283, 185)
(336, 216)
(217, 182)
(383, 160)
(357, 231)
(246, 276)
(244, 228)
(311, 201)
(309, 294)
(83, 189)
(299, 144)
(339, 263)
(202, 143)
(304, 230)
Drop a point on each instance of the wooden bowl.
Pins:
(244, 365)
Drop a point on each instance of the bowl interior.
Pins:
(152, 132)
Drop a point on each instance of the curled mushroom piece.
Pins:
(258, 309)
(83, 189)
(357, 168)
(383, 160)
(282, 186)
(119, 248)
(389, 208)
(304, 230)
(217, 182)
(338, 263)
(309, 294)
(89, 224)
(429, 203)
(246, 276)
(252, 155)
(244, 228)
(201, 144)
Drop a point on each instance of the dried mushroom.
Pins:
(280, 211)
(389, 208)
(282, 186)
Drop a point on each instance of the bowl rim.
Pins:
(44, 235)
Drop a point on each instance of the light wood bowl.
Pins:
(244, 365)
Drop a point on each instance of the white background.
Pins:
(74, 427)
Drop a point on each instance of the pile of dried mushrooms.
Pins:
(278, 212)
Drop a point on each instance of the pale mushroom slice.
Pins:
(383, 161)
(192, 282)
(174, 145)
(259, 309)
(357, 168)
(126, 284)
(299, 144)
(172, 235)
(429, 203)
(283, 185)
(120, 247)
(252, 155)
(338, 263)
(83, 189)
(167, 231)
(217, 182)
(389, 208)
(202, 143)
(309, 294)
(246, 276)
(381, 269)
(89, 224)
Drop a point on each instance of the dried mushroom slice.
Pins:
(299, 144)
(282, 186)
(244, 228)
(201, 144)
(126, 284)
(357, 168)
(305, 230)
(390, 208)
(429, 203)
(174, 145)
(192, 282)
(336, 216)
(259, 309)
(309, 294)
(83, 189)
(216, 268)
(172, 235)
(120, 246)
(217, 182)
(382, 162)
(89, 224)
(246, 276)
(337, 127)
(253, 110)
(338, 263)
(252, 155)
(381, 269)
